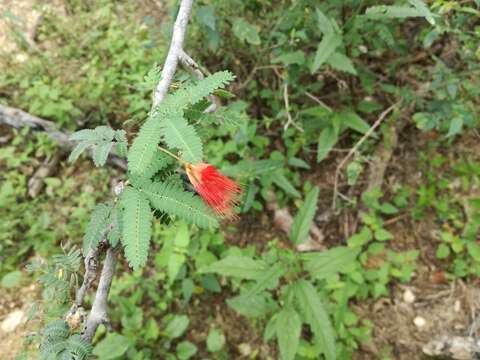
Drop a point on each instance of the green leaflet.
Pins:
(242, 267)
(269, 277)
(327, 139)
(115, 220)
(96, 227)
(144, 147)
(288, 327)
(304, 218)
(178, 133)
(193, 94)
(137, 226)
(159, 162)
(174, 201)
(321, 265)
(315, 315)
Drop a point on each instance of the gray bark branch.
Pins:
(174, 52)
(19, 119)
(98, 313)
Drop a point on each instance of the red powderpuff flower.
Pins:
(218, 191)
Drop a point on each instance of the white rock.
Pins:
(12, 321)
(409, 296)
(419, 322)
(245, 349)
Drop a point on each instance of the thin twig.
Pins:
(174, 51)
(197, 71)
(370, 131)
(318, 101)
(287, 110)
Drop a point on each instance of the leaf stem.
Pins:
(181, 161)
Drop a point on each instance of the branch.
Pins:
(98, 313)
(174, 52)
(194, 68)
(19, 119)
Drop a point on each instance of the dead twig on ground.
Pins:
(283, 220)
(290, 120)
(36, 183)
(18, 119)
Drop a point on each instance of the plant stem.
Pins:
(181, 161)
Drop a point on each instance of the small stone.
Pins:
(363, 49)
(245, 349)
(457, 306)
(409, 296)
(12, 321)
(419, 322)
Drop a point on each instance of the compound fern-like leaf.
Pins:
(193, 94)
(137, 227)
(186, 205)
(179, 134)
(96, 227)
(144, 147)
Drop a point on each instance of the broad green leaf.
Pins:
(385, 12)
(474, 250)
(315, 315)
(324, 23)
(252, 306)
(341, 62)
(84, 135)
(270, 329)
(266, 280)
(297, 162)
(11, 279)
(215, 340)
(288, 327)
(328, 138)
(326, 47)
(361, 238)
(100, 153)
(304, 218)
(245, 31)
(206, 15)
(423, 10)
(112, 346)
(177, 326)
(321, 265)
(282, 182)
(290, 58)
(185, 350)
(175, 263)
(456, 126)
(383, 235)
(78, 150)
(351, 120)
(237, 266)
